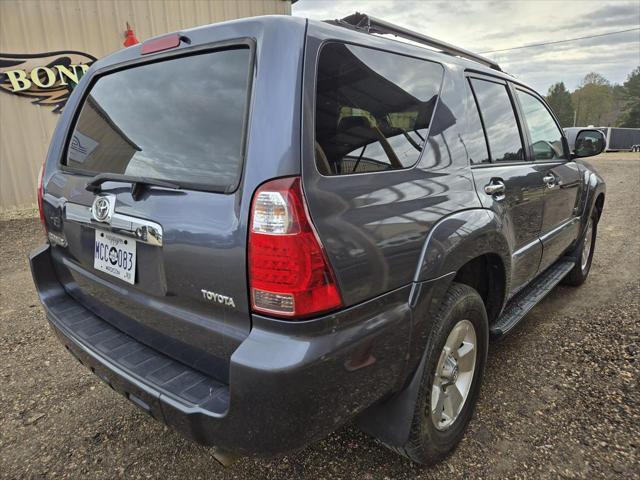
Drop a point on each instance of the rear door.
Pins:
(165, 264)
(562, 178)
(506, 181)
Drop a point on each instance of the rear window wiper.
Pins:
(95, 184)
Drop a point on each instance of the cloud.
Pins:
(491, 25)
(615, 15)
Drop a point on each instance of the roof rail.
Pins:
(364, 22)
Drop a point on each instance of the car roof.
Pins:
(290, 26)
(352, 35)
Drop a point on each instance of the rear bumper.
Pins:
(290, 383)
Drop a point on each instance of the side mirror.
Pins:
(589, 143)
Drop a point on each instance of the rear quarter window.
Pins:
(180, 119)
(373, 109)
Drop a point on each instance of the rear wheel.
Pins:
(455, 359)
(584, 253)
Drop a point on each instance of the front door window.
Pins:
(546, 138)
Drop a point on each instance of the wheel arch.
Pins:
(467, 247)
(599, 204)
(487, 275)
(460, 238)
(596, 188)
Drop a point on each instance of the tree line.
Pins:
(598, 102)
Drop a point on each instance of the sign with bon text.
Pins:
(47, 79)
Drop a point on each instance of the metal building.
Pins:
(45, 46)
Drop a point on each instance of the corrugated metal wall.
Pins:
(91, 26)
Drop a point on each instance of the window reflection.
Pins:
(499, 120)
(476, 143)
(179, 119)
(546, 138)
(372, 109)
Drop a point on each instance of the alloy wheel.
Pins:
(454, 375)
(586, 249)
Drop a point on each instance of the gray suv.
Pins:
(260, 230)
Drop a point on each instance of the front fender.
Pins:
(594, 186)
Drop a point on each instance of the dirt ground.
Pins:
(560, 396)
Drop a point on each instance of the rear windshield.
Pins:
(180, 120)
(373, 109)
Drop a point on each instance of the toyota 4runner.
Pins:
(262, 229)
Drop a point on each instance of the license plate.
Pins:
(115, 255)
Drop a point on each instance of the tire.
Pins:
(428, 443)
(583, 258)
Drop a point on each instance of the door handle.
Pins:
(550, 180)
(496, 188)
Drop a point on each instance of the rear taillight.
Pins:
(289, 274)
(40, 194)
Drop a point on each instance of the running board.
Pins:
(529, 296)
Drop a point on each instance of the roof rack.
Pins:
(364, 22)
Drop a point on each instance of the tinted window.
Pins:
(546, 138)
(499, 120)
(372, 109)
(179, 120)
(475, 142)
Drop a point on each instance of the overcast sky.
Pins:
(483, 25)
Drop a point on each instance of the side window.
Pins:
(500, 122)
(475, 142)
(373, 109)
(546, 138)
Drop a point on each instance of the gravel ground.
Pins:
(560, 396)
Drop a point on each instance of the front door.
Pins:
(560, 222)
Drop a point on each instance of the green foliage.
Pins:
(594, 78)
(597, 102)
(592, 100)
(631, 111)
(559, 99)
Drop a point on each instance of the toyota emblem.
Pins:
(101, 209)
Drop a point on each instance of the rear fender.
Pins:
(461, 237)
(451, 243)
